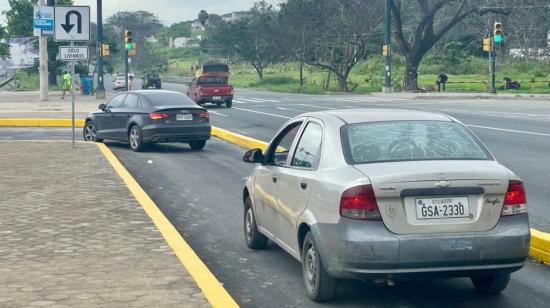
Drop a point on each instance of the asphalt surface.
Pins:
(200, 192)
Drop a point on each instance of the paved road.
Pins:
(200, 192)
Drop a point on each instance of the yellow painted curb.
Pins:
(540, 246)
(212, 289)
(40, 122)
(238, 139)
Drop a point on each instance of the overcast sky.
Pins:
(168, 11)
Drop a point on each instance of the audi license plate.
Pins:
(184, 117)
(217, 98)
(446, 207)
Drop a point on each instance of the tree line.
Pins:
(334, 35)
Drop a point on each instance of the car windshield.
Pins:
(168, 98)
(410, 140)
(212, 80)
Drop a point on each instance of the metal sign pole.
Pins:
(72, 97)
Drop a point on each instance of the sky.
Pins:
(168, 11)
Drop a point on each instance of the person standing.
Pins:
(130, 82)
(67, 82)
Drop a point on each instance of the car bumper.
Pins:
(175, 133)
(367, 250)
(210, 99)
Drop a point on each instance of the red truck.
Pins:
(210, 84)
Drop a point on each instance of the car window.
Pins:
(280, 148)
(168, 98)
(308, 151)
(410, 140)
(116, 101)
(131, 101)
(212, 80)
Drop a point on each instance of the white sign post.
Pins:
(72, 23)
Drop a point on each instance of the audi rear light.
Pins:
(359, 202)
(203, 114)
(515, 201)
(158, 115)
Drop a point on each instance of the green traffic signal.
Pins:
(129, 46)
(498, 38)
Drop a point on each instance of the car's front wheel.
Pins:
(197, 144)
(90, 132)
(135, 139)
(491, 284)
(254, 239)
(320, 287)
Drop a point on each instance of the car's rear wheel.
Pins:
(320, 287)
(135, 139)
(254, 239)
(491, 284)
(197, 144)
(229, 103)
(90, 132)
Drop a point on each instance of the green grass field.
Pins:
(368, 77)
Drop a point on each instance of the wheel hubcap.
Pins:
(311, 265)
(90, 134)
(248, 223)
(134, 138)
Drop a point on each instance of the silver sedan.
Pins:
(386, 195)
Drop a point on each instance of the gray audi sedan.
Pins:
(386, 195)
(144, 116)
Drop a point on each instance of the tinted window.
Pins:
(212, 80)
(168, 98)
(308, 151)
(116, 101)
(131, 101)
(281, 147)
(410, 140)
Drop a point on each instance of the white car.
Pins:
(120, 82)
(384, 195)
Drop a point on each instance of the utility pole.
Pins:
(52, 77)
(492, 56)
(43, 67)
(387, 42)
(100, 89)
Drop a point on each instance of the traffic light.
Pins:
(487, 44)
(104, 50)
(132, 52)
(497, 33)
(385, 50)
(128, 41)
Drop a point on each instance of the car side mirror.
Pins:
(102, 107)
(253, 156)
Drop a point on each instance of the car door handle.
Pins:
(274, 179)
(303, 185)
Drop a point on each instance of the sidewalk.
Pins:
(457, 95)
(72, 235)
(26, 104)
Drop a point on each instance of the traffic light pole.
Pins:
(100, 89)
(493, 70)
(387, 41)
(126, 68)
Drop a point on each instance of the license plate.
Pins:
(217, 98)
(184, 117)
(446, 207)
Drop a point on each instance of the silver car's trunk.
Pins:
(438, 196)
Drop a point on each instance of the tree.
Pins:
(19, 16)
(432, 19)
(180, 29)
(203, 16)
(348, 31)
(4, 47)
(143, 24)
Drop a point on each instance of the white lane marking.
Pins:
(316, 106)
(265, 113)
(288, 109)
(240, 102)
(217, 113)
(509, 130)
(250, 100)
(266, 100)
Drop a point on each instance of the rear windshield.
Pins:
(165, 99)
(410, 140)
(212, 80)
(215, 68)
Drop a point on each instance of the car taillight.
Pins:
(515, 201)
(200, 92)
(232, 91)
(158, 115)
(359, 202)
(203, 115)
